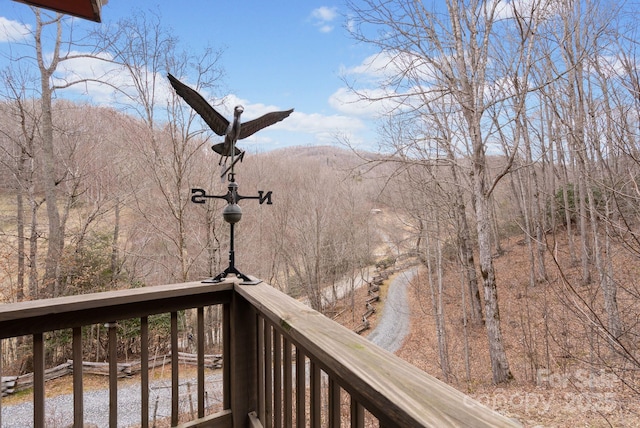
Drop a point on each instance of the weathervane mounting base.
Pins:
(232, 270)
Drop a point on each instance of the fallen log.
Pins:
(26, 381)
(11, 384)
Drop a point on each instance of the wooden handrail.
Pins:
(38, 316)
(397, 393)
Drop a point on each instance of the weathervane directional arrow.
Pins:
(199, 196)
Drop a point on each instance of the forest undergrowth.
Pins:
(565, 373)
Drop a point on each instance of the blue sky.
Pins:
(277, 55)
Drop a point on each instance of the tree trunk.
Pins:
(465, 244)
(20, 226)
(499, 363)
(55, 239)
(115, 264)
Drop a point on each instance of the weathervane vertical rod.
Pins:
(232, 254)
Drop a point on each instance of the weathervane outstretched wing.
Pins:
(251, 127)
(215, 120)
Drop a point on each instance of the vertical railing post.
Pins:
(174, 370)
(357, 414)
(288, 383)
(334, 404)
(113, 375)
(244, 361)
(144, 372)
(38, 380)
(261, 370)
(277, 378)
(200, 341)
(301, 387)
(0, 382)
(78, 401)
(226, 356)
(315, 399)
(268, 376)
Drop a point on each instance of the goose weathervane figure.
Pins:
(232, 131)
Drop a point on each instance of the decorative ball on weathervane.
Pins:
(232, 213)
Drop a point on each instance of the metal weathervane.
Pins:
(232, 132)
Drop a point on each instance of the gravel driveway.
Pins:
(59, 410)
(393, 324)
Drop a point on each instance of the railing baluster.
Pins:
(144, 371)
(261, 370)
(301, 387)
(277, 378)
(316, 395)
(78, 404)
(334, 404)
(357, 414)
(200, 339)
(1, 342)
(268, 378)
(38, 380)
(174, 369)
(226, 356)
(113, 374)
(288, 384)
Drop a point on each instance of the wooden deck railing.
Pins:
(284, 365)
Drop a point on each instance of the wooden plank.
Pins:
(2, 388)
(200, 340)
(268, 377)
(277, 378)
(287, 378)
(78, 400)
(334, 404)
(175, 399)
(301, 387)
(38, 316)
(226, 352)
(113, 375)
(38, 381)
(394, 391)
(261, 369)
(357, 414)
(144, 371)
(222, 419)
(316, 395)
(254, 421)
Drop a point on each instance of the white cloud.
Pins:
(317, 123)
(303, 129)
(83, 67)
(367, 103)
(325, 13)
(508, 9)
(376, 89)
(13, 31)
(324, 17)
